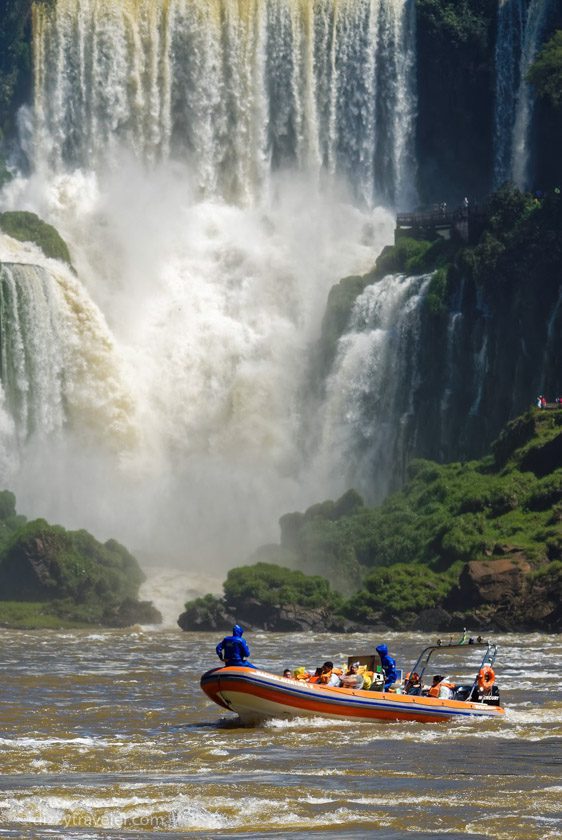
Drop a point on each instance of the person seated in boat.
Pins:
(234, 650)
(433, 690)
(315, 677)
(353, 679)
(388, 665)
(329, 675)
(441, 687)
(288, 673)
(301, 673)
(412, 684)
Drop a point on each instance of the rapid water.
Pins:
(113, 738)
(520, 30)
(214, 167)
(236, 89)
(365, 410)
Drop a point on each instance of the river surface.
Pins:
(107, 734)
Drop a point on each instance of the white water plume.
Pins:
(214, 167)
(211, 309)
(369, 391)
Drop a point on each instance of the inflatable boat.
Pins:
(256, 695)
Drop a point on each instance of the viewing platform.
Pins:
(464, 222)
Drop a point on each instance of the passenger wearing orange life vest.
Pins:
(329, 675)
(440, 687)
(412, 684)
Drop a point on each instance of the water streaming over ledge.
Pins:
(370, 389)
(215, 168)
(235, 88)
(521, 25)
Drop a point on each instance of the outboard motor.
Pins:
(493, 698)
(489, 698)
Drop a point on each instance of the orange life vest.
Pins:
(435, 689)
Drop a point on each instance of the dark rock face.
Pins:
(207, 618)
(253, 615)
(31, 570)
(456, 92)
(543, 460)
(130, 612)
(293, 617)
(436, 619)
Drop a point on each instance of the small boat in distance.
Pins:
(256, 695)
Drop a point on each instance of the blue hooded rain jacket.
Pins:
(388, 666)
(233, 650)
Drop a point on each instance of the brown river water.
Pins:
(107, 734)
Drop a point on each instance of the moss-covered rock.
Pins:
(477, 543)
(65, 575)
(207, 613)
(28, 227)
(546, 71)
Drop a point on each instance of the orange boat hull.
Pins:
(257, 695)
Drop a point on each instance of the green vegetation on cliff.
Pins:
(457, 22)
(50, 575)
(546, 71)
(272, 585)
(517, 243)
(451, 513)
(28, 227)
(437, 543)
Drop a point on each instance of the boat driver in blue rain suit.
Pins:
(388, 666)
(233, 650)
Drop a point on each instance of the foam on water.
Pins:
(194, 379)
(124, 754)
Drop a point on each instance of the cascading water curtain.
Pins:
(31, 357)
(236, 88)
(520, 29)
(56, 359)
(370, 389)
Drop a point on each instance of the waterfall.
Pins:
(370, 392)
(521, 25)
(58, 363)
(510, 30)
(235, 88)
(215, 166)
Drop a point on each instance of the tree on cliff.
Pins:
(546, 72)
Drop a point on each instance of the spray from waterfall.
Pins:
(215, 168)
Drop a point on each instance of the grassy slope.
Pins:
(414, 547)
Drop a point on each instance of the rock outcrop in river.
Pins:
(51, 577)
